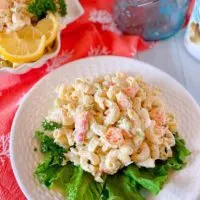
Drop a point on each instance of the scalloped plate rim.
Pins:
(25, 67)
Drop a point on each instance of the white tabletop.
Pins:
(172, 57)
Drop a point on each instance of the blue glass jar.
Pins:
(152, 19)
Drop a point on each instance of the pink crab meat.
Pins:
(123, 101)
(131, 91)
(81, 126)
(158, 115)
(115, 135)
(109, 83)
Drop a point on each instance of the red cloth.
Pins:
(93, 34)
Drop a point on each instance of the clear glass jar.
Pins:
(152, 19)
(192, 36)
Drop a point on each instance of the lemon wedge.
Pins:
(25, 45)
(48, 27)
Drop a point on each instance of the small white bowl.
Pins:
(75, 10)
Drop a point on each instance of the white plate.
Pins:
(37, 102)
(75, 10)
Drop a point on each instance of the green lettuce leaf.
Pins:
(76, 184)
(49, 146)
(71, 181)
(180, 153)
(63, 178)
(151, 179)
(82, 186)
(121, 187)
(47, 173)
(48, 170)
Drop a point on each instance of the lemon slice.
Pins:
(49, 27)
(25, 45)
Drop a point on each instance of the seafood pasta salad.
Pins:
(109, 137)
(16, 14)
(32, 26)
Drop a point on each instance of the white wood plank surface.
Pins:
(172, 57)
